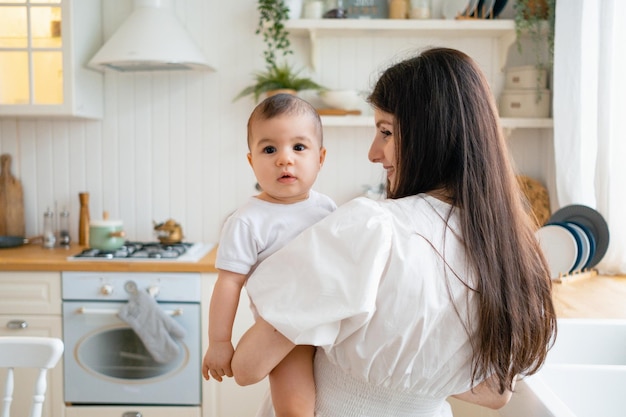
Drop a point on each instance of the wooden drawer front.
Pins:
(25, 378)
(30, 293)
(128, 411)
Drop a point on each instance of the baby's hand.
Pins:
(217, 360)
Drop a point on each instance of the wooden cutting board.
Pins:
(11, 201)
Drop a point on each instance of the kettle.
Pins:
(168, 232)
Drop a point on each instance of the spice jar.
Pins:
(64, 229)
(48, 229)
(420, 9)
(398, 9)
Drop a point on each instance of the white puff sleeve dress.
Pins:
(383, 289)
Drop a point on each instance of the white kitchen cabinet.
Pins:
(226, 399)
(500, 33)
(30, 305)
(44, 48)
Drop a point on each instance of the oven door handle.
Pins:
(113, 312)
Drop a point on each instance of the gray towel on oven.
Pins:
(158, 331)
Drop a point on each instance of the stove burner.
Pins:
(151, 250)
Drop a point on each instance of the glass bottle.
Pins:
(335, 9)
(420, 9)
(64, 229)
(398, 9)
(48, 229)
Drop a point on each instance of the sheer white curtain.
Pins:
(590, 114)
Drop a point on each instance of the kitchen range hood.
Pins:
(150, 39)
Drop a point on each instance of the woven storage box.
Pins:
(524, 103)
(527, 77)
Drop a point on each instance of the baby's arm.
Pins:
(486, 395)
(222, 310)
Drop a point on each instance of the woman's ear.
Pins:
(249, 156)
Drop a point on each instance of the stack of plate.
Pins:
(574, 239)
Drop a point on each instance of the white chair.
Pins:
(28, 352)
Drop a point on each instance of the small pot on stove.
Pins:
(105, 234)
(168, 232)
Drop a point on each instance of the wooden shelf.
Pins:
(440, 27)
(501, 30)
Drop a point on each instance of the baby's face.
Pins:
(286, 157)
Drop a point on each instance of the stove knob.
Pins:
(106, 289)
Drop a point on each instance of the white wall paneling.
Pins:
(173, 145)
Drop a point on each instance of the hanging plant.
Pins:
(276, 76)
(535, 18)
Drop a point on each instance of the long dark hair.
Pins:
(447, 136)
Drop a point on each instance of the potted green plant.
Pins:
(276, 76)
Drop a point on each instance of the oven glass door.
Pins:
(105, 362)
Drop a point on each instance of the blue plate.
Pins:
(593, 221)
(592, 243)
(585, 246)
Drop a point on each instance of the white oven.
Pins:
(106, 363)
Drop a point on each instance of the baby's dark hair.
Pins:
(288, 104)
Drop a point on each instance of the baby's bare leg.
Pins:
(293, 385)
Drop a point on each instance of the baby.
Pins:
(286, 154)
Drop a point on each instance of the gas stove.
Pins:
(147, 251)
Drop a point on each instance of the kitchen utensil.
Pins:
(15, 241)
(106, 234)
(83, 220)
(11, 200)
(168, 232)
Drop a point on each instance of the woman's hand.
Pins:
(260, 349)
(486, 395)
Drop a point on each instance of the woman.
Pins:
(439, 290)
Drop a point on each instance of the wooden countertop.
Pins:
(33, 257)
(596, 296)
(592, 296)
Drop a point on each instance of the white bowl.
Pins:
(343, 99)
